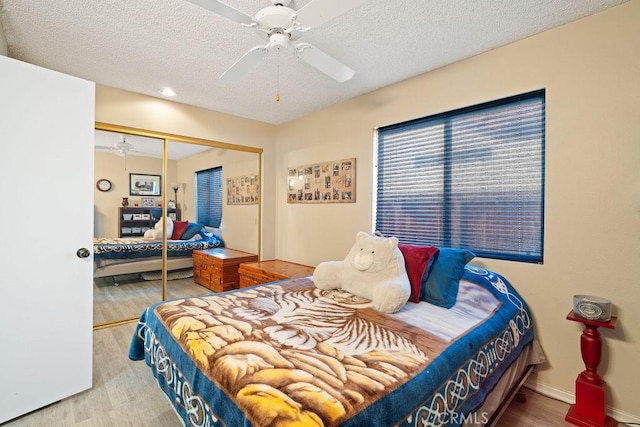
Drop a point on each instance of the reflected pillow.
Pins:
(440, 287)
(192, 230)
(178, 229)
(418, 261)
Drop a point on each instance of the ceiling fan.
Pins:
(281, 26)
(122, 148)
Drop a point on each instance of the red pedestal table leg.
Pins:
(589, 409)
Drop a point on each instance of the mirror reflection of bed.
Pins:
(125, 287)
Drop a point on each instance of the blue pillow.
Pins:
(440, 286)
(192, 229)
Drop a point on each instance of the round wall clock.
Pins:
(103, 185)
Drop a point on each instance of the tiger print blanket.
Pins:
(286, 354)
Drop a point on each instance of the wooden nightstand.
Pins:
(217, 268)
(255, 273)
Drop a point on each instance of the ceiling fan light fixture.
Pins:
(167, 91)
(275, 19)
(278, 41)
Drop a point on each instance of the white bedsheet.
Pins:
(473, 305)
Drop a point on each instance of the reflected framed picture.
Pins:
(144, 185)
(148, 202)
(243, 190)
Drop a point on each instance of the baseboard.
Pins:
(563, 396)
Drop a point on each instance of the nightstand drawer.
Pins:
(256, 273)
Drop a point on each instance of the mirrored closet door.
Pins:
(157, 175)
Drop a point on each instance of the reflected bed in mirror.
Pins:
(125, 286)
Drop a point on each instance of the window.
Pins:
(209, 197)
(470, 178)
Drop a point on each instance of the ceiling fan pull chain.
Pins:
(278, 79)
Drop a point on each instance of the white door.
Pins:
(46, 215)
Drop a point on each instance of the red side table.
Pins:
(589, 409)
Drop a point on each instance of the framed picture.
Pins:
(144, 185)
(148, 202)
(326, 182)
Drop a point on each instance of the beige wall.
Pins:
(124, 108)
(590, 70)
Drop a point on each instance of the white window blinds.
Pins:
(470, 178)
(209, 197)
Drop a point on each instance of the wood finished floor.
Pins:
(133, 294)
(125, 393)
(537, 411)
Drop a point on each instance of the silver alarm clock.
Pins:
(592, 308)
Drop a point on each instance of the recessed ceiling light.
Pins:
(167, 91)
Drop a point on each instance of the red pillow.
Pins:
(178, 229)
(417, 259)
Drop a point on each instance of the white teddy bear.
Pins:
(373, 269)
(155, 233)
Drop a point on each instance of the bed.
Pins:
(119, 256)
(287, 353)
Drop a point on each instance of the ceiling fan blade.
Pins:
(225, 10)
(323, 62)
(244, 64)
(316, 12)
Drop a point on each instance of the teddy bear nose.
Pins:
(363, 260)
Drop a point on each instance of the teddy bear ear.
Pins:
(393, 242)
(361, 236)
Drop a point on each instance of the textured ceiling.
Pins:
(144, 45)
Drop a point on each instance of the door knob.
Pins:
(83, 253)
